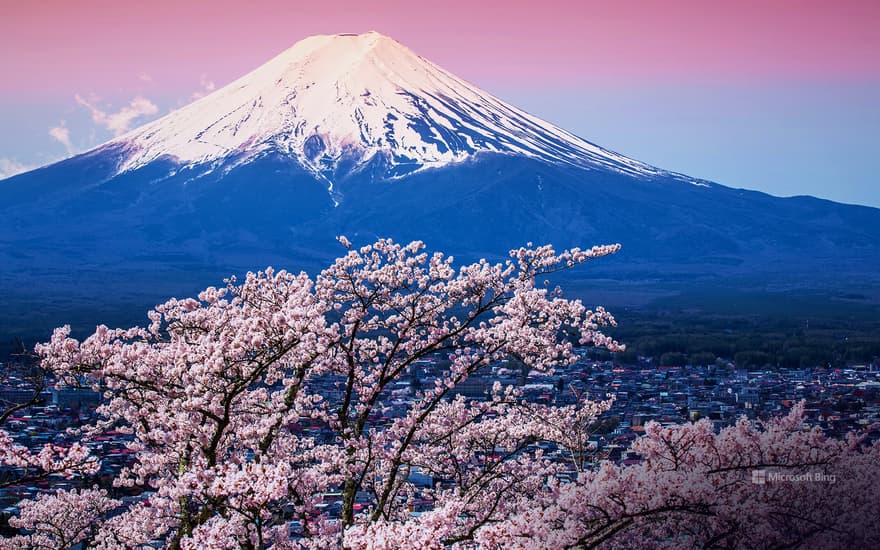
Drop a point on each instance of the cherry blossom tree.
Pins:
(216, 389)
(773, 485)
(251, 403)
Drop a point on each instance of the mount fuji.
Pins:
(335, 103)
(358, 135)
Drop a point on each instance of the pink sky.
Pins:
(52, 48)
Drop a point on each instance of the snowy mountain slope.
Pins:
(348, 98)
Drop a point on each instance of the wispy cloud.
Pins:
(207, 87)
(10, 167)
(120, 121)
(144, 77)
(61, 134)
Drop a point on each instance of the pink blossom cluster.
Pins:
(60, 520)
(52, 459)
(696, 488)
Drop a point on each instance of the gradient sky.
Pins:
(780, 96)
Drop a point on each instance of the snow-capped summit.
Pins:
(350, 97)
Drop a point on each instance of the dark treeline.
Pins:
(679, 339)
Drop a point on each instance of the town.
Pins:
(838, 399)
